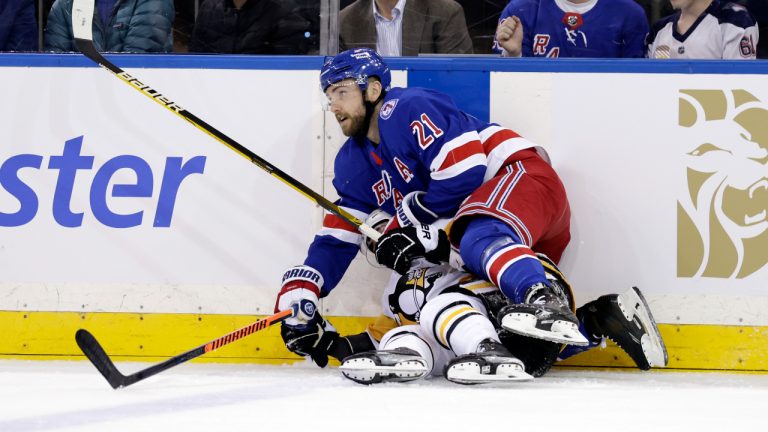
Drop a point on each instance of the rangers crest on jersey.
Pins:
(403, 169)
(541, 44)
(388, 108)
(383, 190)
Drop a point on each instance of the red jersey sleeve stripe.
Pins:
(462, 153)
(335, 222)
(497, 138)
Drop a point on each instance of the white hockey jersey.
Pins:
(724, 30)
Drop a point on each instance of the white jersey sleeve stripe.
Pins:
(487, 132)
(460, 167)
(502, 152)
(451, 145)
(342, 235)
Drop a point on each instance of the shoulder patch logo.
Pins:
(388, 108)
(662, 52)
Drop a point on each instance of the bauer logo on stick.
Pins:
(150, 91)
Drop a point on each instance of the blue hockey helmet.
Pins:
(360, 64)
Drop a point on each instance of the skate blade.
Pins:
(561, 331)
(633, 303)
(366, 371)
(471, 372)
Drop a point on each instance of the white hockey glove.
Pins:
(306, 334)
(300, 283)
(411, 212)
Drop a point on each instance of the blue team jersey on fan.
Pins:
(426, 144)
(555, 28)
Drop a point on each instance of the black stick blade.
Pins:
(99, 358)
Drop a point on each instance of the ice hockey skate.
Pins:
(626, 319)
(492, 362)
(544, 315)
(372, 367)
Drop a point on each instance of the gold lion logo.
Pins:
(722, 228)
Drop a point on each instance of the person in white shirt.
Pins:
(704, 29)
(405, 27)
(389, 26)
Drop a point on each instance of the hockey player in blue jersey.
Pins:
(414, 154)
(571, 28)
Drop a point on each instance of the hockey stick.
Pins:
(96, 354)
(82, 18)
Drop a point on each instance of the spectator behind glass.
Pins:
(250, 27)
(131, 26)
(407, 28)
(18, 28)
(704, 29)
(571, 28)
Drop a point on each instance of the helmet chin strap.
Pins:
(369, 109)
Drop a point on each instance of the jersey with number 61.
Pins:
(724, 30)
(426, 144)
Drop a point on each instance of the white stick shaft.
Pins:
(82, 19)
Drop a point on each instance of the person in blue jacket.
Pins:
(130, 26)
(18, 28)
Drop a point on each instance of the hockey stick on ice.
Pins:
(96, 354)
(82, 18)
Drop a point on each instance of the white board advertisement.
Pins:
(668, 181)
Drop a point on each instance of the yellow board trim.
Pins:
(153, 337)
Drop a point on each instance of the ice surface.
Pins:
(72, 396)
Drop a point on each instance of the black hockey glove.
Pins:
(345, 346)
(398, 248)
(313, 339)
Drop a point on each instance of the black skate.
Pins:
(626, 320)
(537, 355)
(544, 315)
(492, 362)
(372, 367)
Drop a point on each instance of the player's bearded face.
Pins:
(346, 102)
